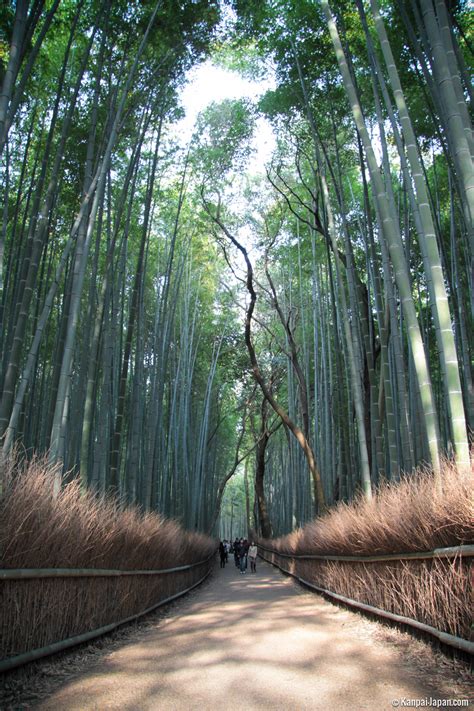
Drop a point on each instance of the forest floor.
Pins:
(246, 642)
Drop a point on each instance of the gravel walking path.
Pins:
(250, 642)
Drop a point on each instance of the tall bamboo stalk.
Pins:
(390, 231)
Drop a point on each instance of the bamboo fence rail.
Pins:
(11, 576)
(32, 573)
(466, 551)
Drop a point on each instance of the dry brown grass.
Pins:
(408, 517)
(79, 530)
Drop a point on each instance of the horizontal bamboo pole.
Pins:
(33, 654)
(466, 551)
(34, 573)
(451, 640)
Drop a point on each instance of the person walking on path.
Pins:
(242, 556)
(222, 553)
(253, 552)
(236, 552)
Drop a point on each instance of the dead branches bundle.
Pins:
(76, 529)
(410, 516)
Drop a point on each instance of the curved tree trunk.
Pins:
(319, 497)
(265, 523)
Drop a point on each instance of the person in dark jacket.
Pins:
(236, 552)
(222, 553)
(242, 556)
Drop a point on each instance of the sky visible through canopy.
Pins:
(209, 83)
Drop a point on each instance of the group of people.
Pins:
(243, 552)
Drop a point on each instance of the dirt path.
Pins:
(249, 642)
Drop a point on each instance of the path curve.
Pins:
(247, 643)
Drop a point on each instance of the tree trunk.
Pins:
(319, 497)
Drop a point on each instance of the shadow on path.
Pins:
(247, 642)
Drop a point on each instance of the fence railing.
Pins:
(466, 551)
(456, 553)
(29, 573)
(15, 576)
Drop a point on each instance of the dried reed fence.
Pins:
(372, 552)
(73, 563)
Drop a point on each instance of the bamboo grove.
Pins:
(168, 317)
